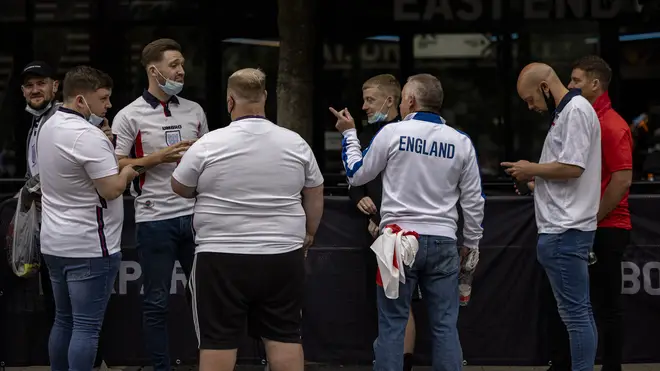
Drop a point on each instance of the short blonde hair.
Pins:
(248, 84)
(386, 83)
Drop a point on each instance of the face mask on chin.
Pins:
(38, 112)
(170, 87)
(379, 116)
(549, 102)
(93, 119)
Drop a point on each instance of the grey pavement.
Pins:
(321, 367)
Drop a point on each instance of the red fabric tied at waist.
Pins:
(395, 229)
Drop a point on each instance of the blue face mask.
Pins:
(379, 116)
(170, 87)
(93, 119)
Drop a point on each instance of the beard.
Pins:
(39, 107)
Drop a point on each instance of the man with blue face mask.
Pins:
(381, 96)
(83, 215)
(153, 132)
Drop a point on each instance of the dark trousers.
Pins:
(159, 245)
(605, 289)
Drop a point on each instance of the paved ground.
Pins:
(636, 367)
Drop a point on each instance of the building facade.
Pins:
(475, 47)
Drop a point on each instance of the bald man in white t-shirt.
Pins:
(259, 202)
(566, 200)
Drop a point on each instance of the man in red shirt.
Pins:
(592, 75)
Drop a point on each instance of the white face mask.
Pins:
(93, 119)
(379, 116)
(38, 113)
(170, 87)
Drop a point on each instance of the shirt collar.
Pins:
(396, 119)
(155, 102)
(567, 98)
(426, 116)
(602, 104)
(72, 112)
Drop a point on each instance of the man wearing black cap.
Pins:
(39, 87)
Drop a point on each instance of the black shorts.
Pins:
(230, 290)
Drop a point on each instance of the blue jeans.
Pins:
(81, 288)
(436, 269)
(159, 245)
(565, 259)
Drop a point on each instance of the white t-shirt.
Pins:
(573, 139)
(146, 126)
(76, 221)
(37, 122)
(32, 146)
(249, 176)
(427, 167)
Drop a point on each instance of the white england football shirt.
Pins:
(145, 126)
(76, 221)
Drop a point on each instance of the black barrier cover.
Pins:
(503, 325)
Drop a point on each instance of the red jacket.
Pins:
(616, 142)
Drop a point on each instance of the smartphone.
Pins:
(140, 169)
(523, 189)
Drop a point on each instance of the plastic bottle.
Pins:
(465, 287)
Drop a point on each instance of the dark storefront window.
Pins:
(62, 10)
(345, 68)
(157, 9)
(62, 47)
(640, 98)
(192, 41)
(559, 51)
(248, 53)
(9, 114)
(13, 11)
(467, 67)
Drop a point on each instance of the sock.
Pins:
(407, 362)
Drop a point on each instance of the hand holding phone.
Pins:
(140, 169)
(522, 188)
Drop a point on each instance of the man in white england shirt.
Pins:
(82, 216)
(153, 132)
(566, 198)
(259, 204)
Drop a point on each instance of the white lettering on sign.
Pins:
(130, 271)
(372, 55)
(636, 279)
(472, 10)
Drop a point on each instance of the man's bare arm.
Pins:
(312, 202)
(557, 171)
(172, 153)
(614, 192)
(113, 186)
(182, 190)
(147, 161)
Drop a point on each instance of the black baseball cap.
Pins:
(37, 68)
